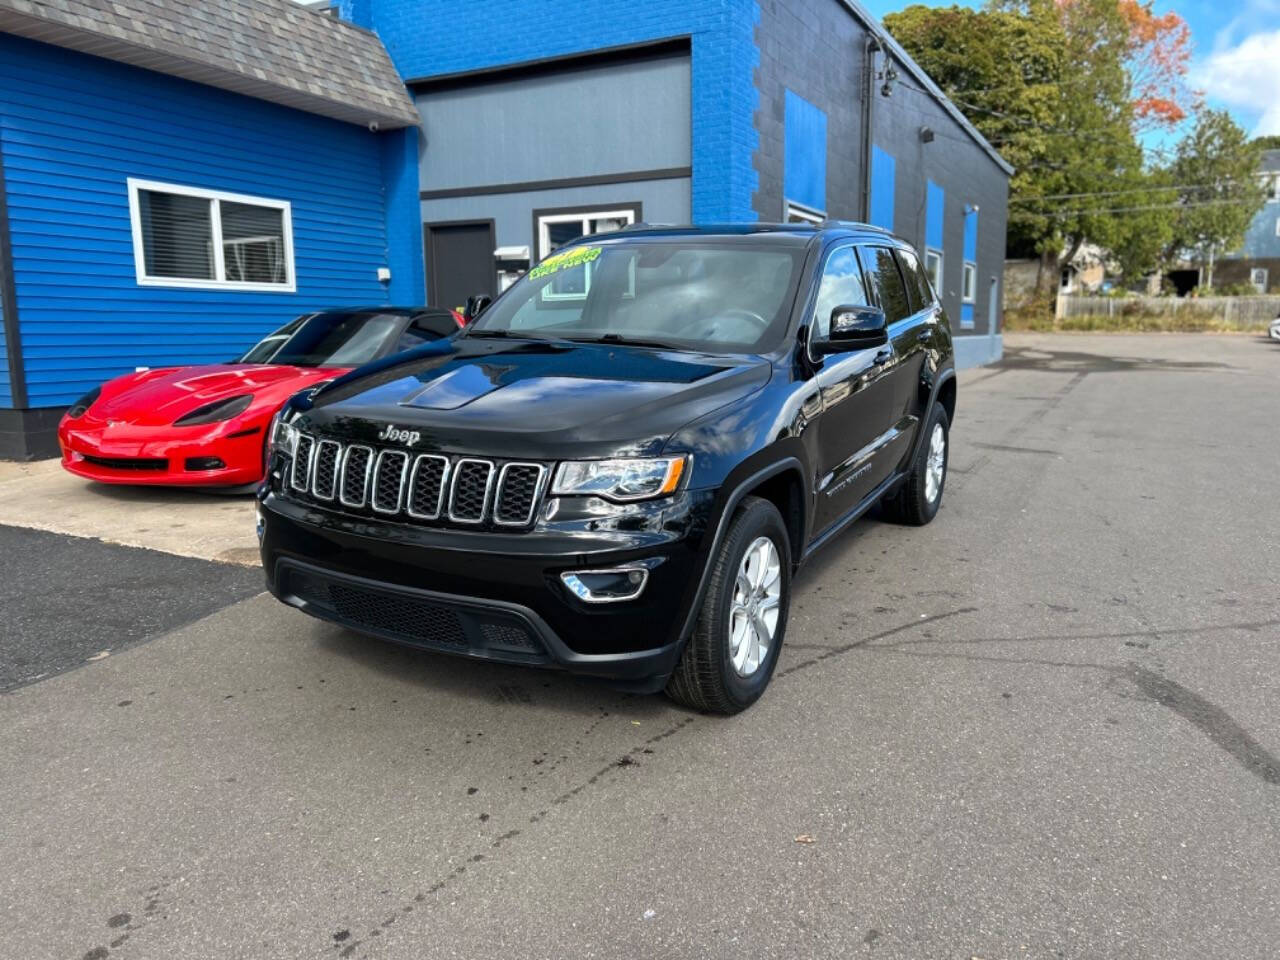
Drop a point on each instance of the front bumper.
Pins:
(161, 456)
(495, 596)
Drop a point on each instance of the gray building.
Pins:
(687, 110)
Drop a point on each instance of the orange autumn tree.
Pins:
(1159, 53)
(1156, 60)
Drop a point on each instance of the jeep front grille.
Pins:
(431, 487)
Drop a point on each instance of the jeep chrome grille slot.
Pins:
(469, 491)
(300, 474)
(388, 481)
(324, 469)
(357, 468)
(519, 485)
(427, 484)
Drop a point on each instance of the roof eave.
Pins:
(172, 64)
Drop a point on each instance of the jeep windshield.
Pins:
(730, 296)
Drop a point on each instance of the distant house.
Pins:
(1257, 262)
(1084, 274)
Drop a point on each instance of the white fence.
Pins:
(1242, 312)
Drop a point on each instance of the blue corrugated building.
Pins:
(170, 190)
(1257, 262)
(174, 184)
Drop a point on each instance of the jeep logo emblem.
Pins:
(407, 437)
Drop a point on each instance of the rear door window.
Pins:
(886, 282)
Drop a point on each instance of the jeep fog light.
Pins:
(606, 586)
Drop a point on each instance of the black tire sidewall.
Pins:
(939, 416)
(759, 518)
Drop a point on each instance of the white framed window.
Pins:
(558, 227)
(793, 212)
(209, 239)
(933, 267)
(1278, 226)
(969, 281)
(555, 228)
(1258, 277)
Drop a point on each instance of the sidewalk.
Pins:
(210, 526)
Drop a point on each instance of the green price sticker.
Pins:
(563, 260)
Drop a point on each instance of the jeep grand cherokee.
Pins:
(617, 468)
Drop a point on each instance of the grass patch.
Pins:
(1129, 317)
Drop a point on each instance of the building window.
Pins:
(799, 213)
(933, 267)
(1258, 277)
(555, 228)
(969, 281)
(1278, 226)
(189, 237)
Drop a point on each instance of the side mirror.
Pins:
(855, 327)
(476, 304)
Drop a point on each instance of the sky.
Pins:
(1236, 60)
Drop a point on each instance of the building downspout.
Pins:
(871, 48)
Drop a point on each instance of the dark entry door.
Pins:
(459, 261)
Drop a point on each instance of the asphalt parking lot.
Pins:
(1043, 726)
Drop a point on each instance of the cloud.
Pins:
(1245, 74)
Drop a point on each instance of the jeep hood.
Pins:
(532, 399)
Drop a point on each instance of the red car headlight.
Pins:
(216, 412)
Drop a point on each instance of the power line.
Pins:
(1099, 211)
(1116, 193)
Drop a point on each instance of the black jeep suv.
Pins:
(616, 468)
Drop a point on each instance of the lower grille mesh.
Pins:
(400, 615)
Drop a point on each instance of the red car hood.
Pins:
(158, 397)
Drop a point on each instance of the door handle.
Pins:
(924, 336)
(883, 357)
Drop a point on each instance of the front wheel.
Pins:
(729, 659)
(918, 499)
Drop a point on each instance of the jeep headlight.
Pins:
(620, 479)
(284, 437)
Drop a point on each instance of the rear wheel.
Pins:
(918, 499)
(730, 658)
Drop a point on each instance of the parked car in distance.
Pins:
(620, 464)
(1275, 329)
(206, 426)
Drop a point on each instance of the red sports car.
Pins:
(206, 426)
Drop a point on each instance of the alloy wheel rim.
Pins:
(936, 464)
(753, 614)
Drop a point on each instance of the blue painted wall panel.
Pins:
(75, 127)
(487, 33)
(935, 204)
(804, 164)
(882, 186)
(970, 256)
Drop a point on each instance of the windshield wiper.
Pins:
(625, 341)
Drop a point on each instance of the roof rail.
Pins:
(855, 225)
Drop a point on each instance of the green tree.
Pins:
(1049, 83)
(1216, 169)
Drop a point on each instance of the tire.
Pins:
(912, 504)
(706, 677)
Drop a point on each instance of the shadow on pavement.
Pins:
(1072, 361)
